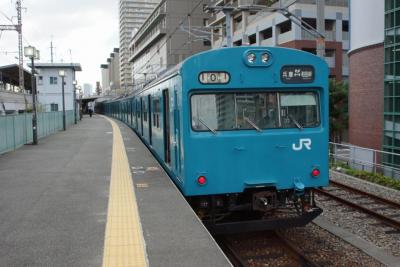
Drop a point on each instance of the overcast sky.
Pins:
(89, 28)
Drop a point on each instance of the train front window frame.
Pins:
(255, 110)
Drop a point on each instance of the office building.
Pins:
(391, 100)
(273, 29)
(162, 42)
(132, 14)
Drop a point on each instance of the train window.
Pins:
(257, 109)
(299, 110)
(213, 112)
(261, 110)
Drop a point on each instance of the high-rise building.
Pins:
(110, 75)
(159, 45)
(132, 14)
(87, 89)
(391, 100)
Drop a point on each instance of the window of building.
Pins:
(266, 34)
(310, 21)
(389, 4)
(389, 20)
(345, 25)
(206, 42)
(53, 107)
(53, 80)
(237, 43)
(40, 80)
(330, 25)
(329, 53)
(252, 39)
(285, 26)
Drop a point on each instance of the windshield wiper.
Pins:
(252, 123)
(205, 124)
(298, 125)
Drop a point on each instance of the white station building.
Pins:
(49, 85)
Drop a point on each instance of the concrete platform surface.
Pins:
(173, 234)
(54, 197)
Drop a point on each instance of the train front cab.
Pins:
(238, 162)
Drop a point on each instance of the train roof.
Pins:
(214, 59)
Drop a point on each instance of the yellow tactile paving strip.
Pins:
(124, 243)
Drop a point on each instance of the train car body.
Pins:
(238, 130)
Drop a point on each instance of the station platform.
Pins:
(94, 195)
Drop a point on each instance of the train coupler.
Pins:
(264, 201)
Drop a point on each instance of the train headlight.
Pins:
(251, 57)
(265, 57)
(258, 58)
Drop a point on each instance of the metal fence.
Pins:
(365, 159)
(16, 130)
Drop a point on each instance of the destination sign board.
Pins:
(297, 74)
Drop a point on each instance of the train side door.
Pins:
(141, 115)
(137, 113)
(177, 134)
(166, 132)
(131, 111)
(149, 117)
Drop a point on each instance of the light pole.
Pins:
(61, 73)
(32, 53)
(80, 102)
(75, 83)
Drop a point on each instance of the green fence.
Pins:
(16, 130)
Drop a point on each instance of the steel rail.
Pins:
(229, 251)
(303, 259)
(373, 196)
(385, 219)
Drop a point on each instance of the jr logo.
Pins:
(306, 142)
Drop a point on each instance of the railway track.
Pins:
(385, 210)
(265, 249)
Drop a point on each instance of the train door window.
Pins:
(156, 114)
(138, 113)
(144, 110)
(167, 148)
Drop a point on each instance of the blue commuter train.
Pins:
(242, 132)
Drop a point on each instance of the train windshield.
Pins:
(243, 111)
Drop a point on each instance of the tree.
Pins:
(338, 110)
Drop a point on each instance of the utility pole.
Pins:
(18, 28)
(20, 53)
(321, 28)
(51, 51)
